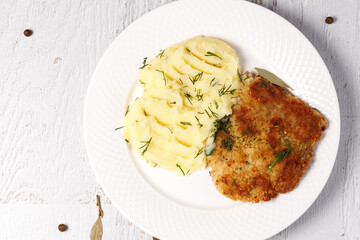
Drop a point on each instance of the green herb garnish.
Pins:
(239, 75)
(181, 81)
(188, 50)
(207, 113)
(189, 97)
(279, 156)
(227, 143)
(264, 83)
(212, 81)
(223, 90)
(174, 102)
(170, 130)
(119, 128)
(235, 183)
(212, 54)
(199, 152)
(216, 104)
(127, 110)
(213, 113)
(180, 169)
(126, 140)
(144, 63)
(164, 78)
(198, 95)
(199, 123)
(161, 53)
(145, 146)
(185, 123)
(196, 78)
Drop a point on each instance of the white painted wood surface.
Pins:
(45, 177)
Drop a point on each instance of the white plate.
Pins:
(172, 207)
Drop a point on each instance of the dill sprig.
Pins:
(185, 123)
(127, 110)
(223, 90)
(180, 169)
(170, 130)
(198, 95)
(119, 128)
(164, 78)
(161, 53)
(189, 97)
(279, 156)
(207, 113)
(235, 183)
(196, 78)
(144, 63)
(212, 54)
(199, 123)
(213, 113)
(198, 153)
(145, 146)
(239, 75)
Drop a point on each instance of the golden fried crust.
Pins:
(266, 145)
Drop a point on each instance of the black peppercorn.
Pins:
(28, 33)
(329, 20)
(62, 227)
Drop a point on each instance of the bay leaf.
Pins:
(97, 230)
(272, 78)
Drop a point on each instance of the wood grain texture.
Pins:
(45, 177)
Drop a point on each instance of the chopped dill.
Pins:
(164, 78)
(200, 112)
(174, 102)
(144, 63)
(207, 113)
(161, 53)
(119, 128)
(127, 110)
(180, 169)
(145, 146)
(239, 75)
(212, 81)
(199, 152)
(189, 97)
(223, 90)
(141, 82)
(212, 54)
(126, 140)
(279, 156)
(198, 95)
(199, 123)
(213, 113)
(170, 130)
(235, 183)
(188, 50)
(185, 123)
(181, 81)
(216, 104)
(196, 78)
(264, 83)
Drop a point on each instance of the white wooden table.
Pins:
(45, 177)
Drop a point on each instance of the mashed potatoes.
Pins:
(186, 88)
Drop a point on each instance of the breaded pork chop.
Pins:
(265, 146)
